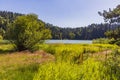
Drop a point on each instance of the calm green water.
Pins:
(70, 41)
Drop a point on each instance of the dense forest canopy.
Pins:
(89, 32)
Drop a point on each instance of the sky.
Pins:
(62, 13)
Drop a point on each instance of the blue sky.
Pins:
(63, 13)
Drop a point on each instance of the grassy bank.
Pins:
(20, 65)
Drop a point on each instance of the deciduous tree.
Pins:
(26, 31)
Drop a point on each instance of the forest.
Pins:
(90, 32)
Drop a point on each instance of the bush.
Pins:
(102, 41)
(26, 31)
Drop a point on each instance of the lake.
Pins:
(70, 41)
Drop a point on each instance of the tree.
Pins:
(71, 35)
(2, 32)
(112, 16)
(2, 24)
(26, 31)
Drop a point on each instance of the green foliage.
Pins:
(112, 16)
(26, 31)
(2, 24)
(5, 47)
(90, 32)
(106, 41)
(71, 35)
(102, 41)
(2, 32)
(117, 42)
(113, 33)
(109, 34)
(1, 38)
(113, 64)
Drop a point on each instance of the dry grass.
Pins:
(14, 60)
(20, 65)
(102, 56)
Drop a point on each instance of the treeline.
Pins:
(89, 32)
(7, 17)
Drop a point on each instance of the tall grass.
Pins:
(89, 70)
(18, 66)
(66, 66)
(75, 52)
(26, 72)
(72, 62)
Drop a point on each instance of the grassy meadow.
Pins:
(60, 62)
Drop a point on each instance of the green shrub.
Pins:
(27, 31)
(117, 42)
(102, 41)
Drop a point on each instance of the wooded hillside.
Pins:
(89, 32)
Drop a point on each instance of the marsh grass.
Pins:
(68, 64)
(75, 52)
(88, 70)
(18, 66)
(25, 72)
(72, 62)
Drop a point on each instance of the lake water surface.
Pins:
(70, 41)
